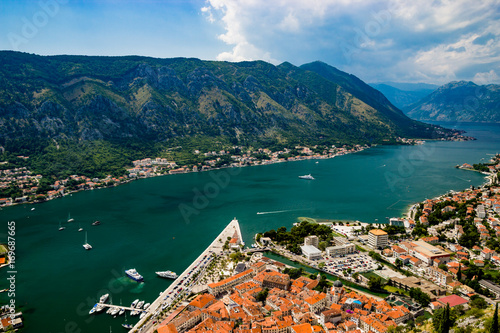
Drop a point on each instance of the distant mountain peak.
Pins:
(462, 101)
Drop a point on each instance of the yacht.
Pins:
(122, 311)
(93, 309)
(132, 273)
(86, 246)
(115, 311)
(309, 177)
(140, 304)
(146, 306)
(134, 303)
(103, 298)
(99, 308)
(167, 275)
(96, 223)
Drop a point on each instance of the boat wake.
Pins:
(278, 211)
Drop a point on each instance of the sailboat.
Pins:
(79, 227)
(129, 326)
(86, 246)
(61, 227)
(69, 218)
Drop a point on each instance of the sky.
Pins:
(428, 41)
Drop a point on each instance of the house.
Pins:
(487, 253)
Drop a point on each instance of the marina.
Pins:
(232, 230)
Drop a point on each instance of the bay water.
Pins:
(164, 223)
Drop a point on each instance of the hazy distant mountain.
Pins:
(404, 94)
(461, 101)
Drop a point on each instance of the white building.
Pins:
(339, 250)
(311, 252)
(378, 238)
(481, 212)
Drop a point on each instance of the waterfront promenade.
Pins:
(176, 289)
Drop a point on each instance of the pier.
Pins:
(126, 308)
(168, 296)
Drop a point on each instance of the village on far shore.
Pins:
(25, 187)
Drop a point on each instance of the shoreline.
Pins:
(129, 180)
(488, 181)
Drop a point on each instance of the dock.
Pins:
(126, 308)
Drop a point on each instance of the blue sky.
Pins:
(396, 40)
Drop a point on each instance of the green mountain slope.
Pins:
(126, 102)
(459, 101)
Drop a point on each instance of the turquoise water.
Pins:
(164, 223)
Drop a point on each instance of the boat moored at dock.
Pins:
(167, 275)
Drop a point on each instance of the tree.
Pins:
(418, 295)
(419, 320)
(262, 295)
(459, 273)
(443, 320)
(478, 302)
(375, 283)
(398, 263)
(494, 322)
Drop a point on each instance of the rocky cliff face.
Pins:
(94, 98)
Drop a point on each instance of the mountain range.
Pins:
(461, 101)
(130, 102)
(403, 95)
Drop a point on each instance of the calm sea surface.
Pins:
(164, 223)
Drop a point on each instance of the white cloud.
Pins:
(487, 77)
(414, 40)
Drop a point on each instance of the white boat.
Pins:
(99, 308)
(134, 303)
(142, 315)
(33, 208)
(86, 245)
(115, 311)
(140, 304)
(69, 218)
(93, 309)
(103, 298)
(61, 227)
(146, 306)
(125, 323)
(134, 313)
(122, 311)
(309, 177)
(134, 275)
(167, 275)
(108, 311)
(79, 227)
